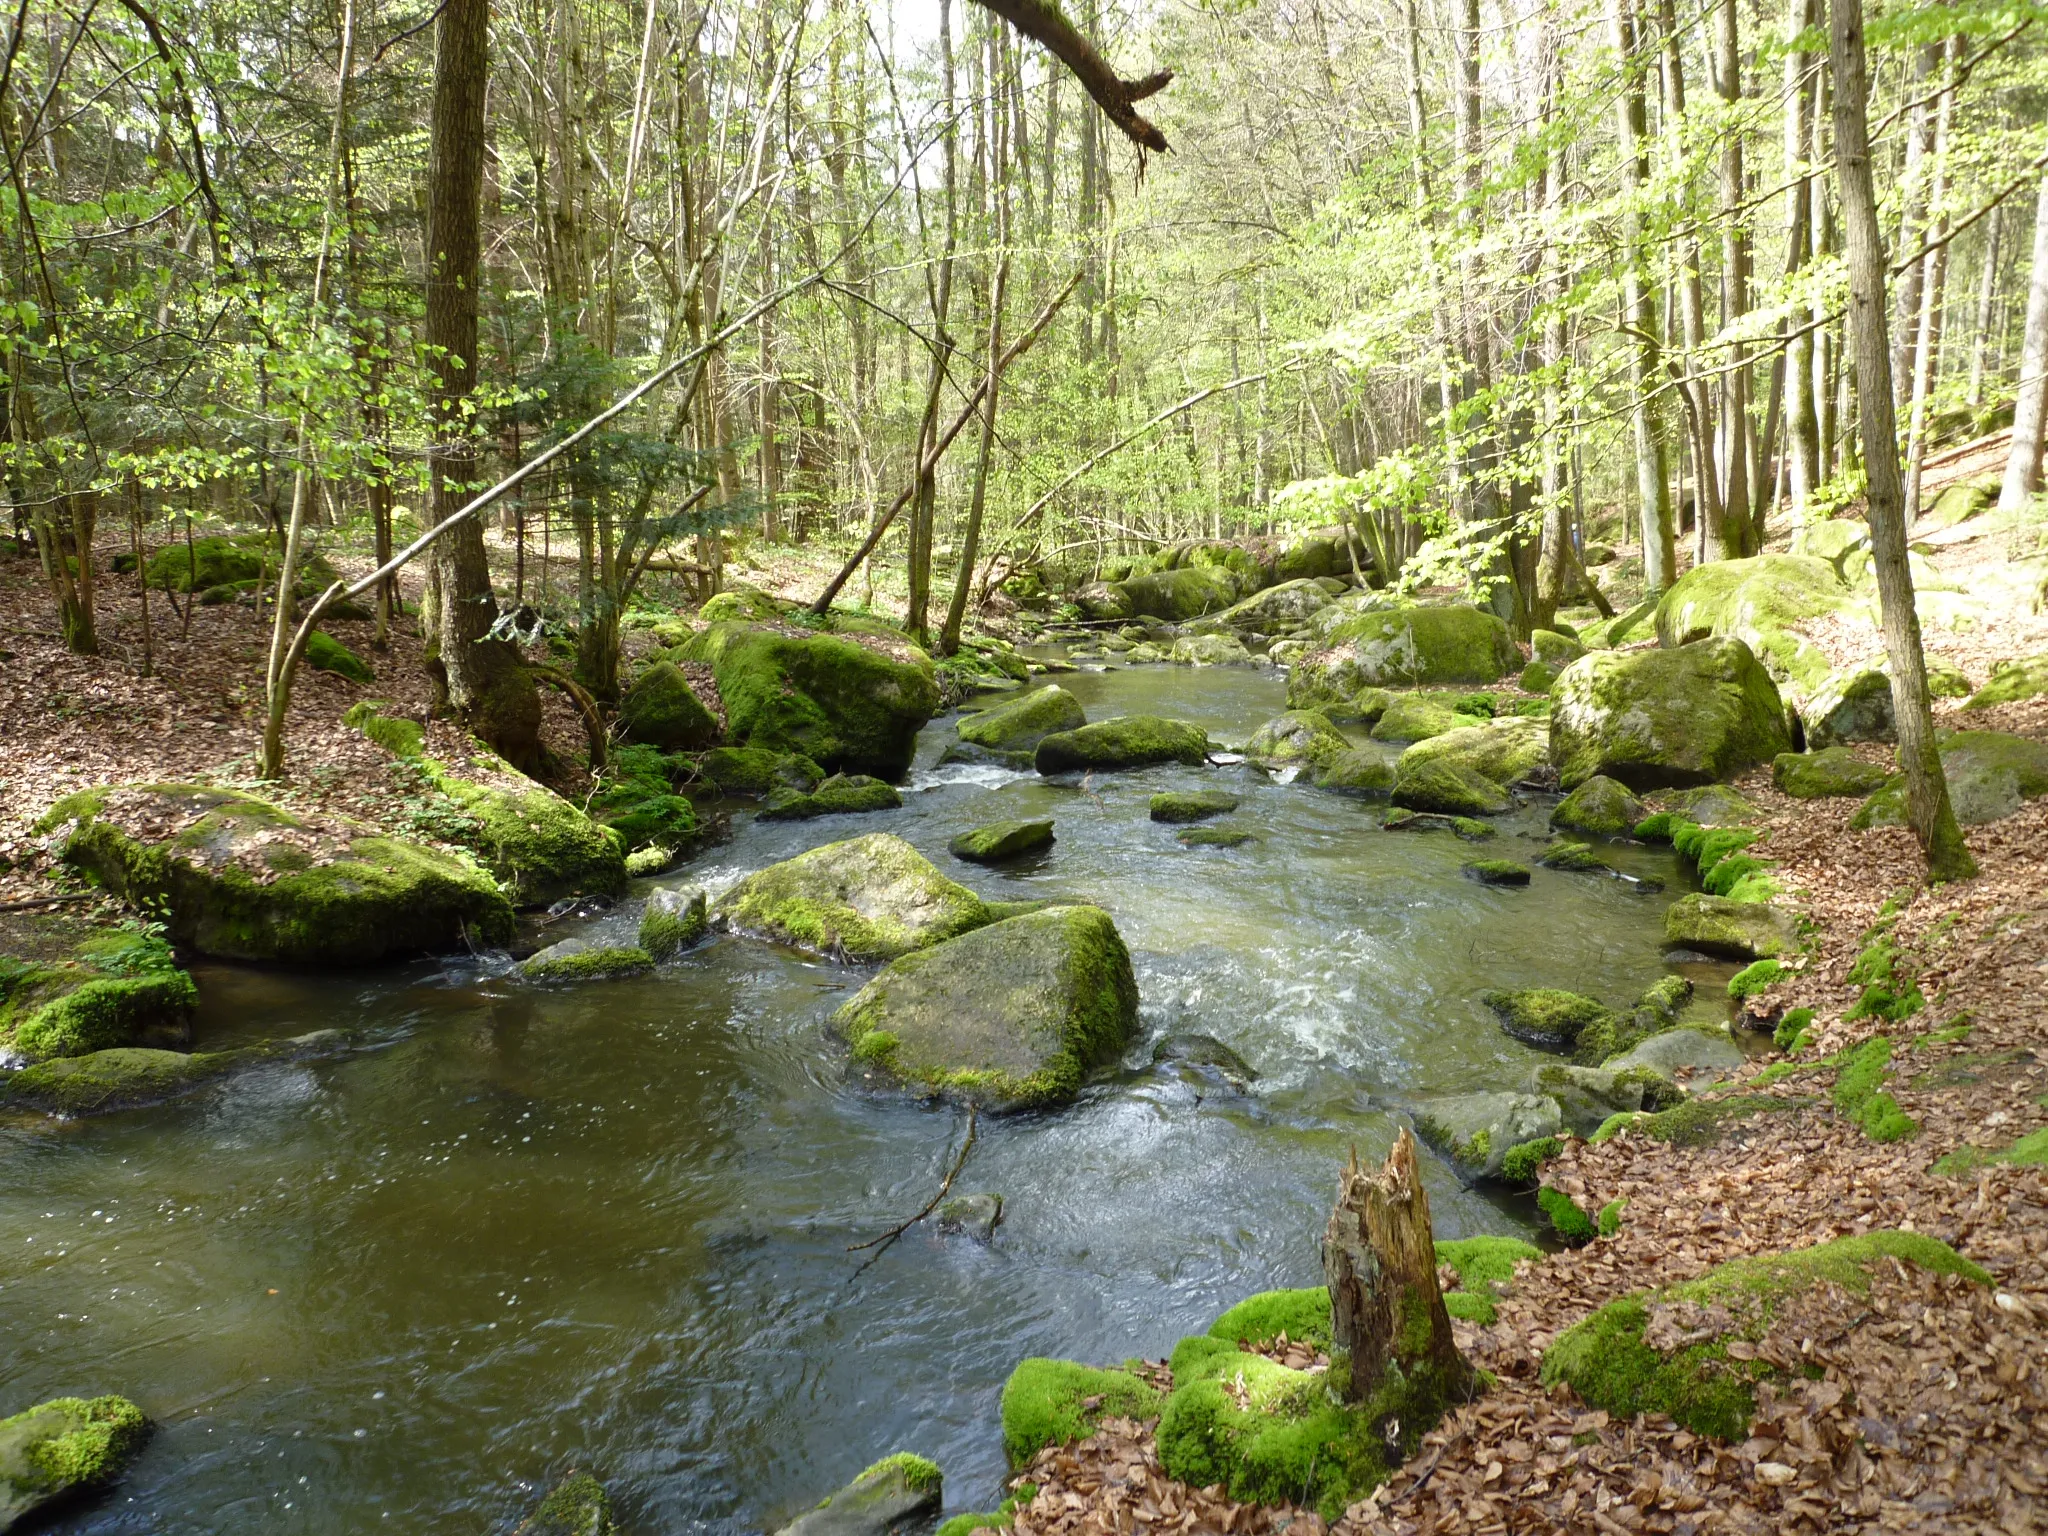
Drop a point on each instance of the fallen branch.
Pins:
(1042, 22)
(45, 901)
(586, 706)
(932, 1204)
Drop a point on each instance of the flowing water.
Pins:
(607, 1226)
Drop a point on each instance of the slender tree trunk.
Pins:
(1707, 508)
(2030, 407)
(1554, 564)
(1981, 342)
(1735, 528)
(1927, 803)
(488, 689)
(1802, 425)
(1639, 302)
(1933, 291)
(1821, 244)
(1912, 214)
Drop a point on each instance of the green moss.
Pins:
(1754, 979)
(1886, 976)
(394, 733)
(2030, 1151)
(919, 1475)
(1697, 1122)
(1177, 806)
(1545, 1016)
(1128, 741)
(1011, 731)
(588, 964)
(576, 1506)
(2024, 677)
(1448, 787)
(1607, 1362)
(756, 771)
(1610, 1217)
(671, 922)
(1001, 840)
(324, 653)
(1524, 1162)
(662, 710)
(1056, 1402)
(841, 794)
(1791, 1032)
(64, 1444)
(1859, 1095)
(211, 562)
(1222, 836)
(816, 900)
(106, 1012)
(1656, 827)
(1730, 873)
(1571, 1224)
(1303, 1315)
(539, 846)
(1496, 872)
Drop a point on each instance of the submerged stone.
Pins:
(843, 794)
(63, 1447)
(576, 1506)
(976, 1216)
(1205, 1052)
(128, 1077)
(893, 1491)
(1186, 805)
(1218, 835)
(1831, 771)
(1128, 741)
(1010, 1016)
(1703, 712)
(1574, 857)
(580, 960)
(1496, 872)
(1600, 807)
(674, 919)
(871, 898)
(1001, 840)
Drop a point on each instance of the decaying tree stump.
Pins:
(1379, 1256)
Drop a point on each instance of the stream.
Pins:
(606, 1226)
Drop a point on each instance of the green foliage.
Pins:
(1754, 979)
(1523, 1162)
(1791, 1032)
(1860, 1096)
(1571, 1224)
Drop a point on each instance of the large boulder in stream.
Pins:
(69, 988)
(540, 846)
(1010, 732)
(1407, 646)
(1128, 741)
(1276, 609)
(1419, 716)
(1505, 751)
(850, 702)
(1009, 1016)
(64, 1447)
(1186, 593)
(1600, 807)
(130, 1076)
(1652, 719)
(238, 877)
(1474, 1131)
(661, 710)
(1301, 736)
(871, 898)
(1446, 787)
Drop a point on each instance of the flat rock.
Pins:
(886, 1496)
(1128, 741)
(1708, 1055)
(868, 899)
(976, 1216)
(1830, 771)
(1178, 806)
(1741, 930)
(1475, 1130)
(1001, 840)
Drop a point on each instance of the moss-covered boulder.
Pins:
(1303, 737)
(1056, 1402)
(324, 653)
(1704, 1053)
(1104, 600)
(1760, 601)
(1416, 646)
(1505, 751)
(869, 899)
(1702, 712)
(1419, 716)
(1739, 930)
(1495, 871)
(1310, 556)
(843, 794)
(540, 846)
(1853, 704)
(1210, 651)
(853, 703)
(1831, 771)
(1010, 732)
(1587, 1097)
(743, 605)
(756, 771)
(2023, 677)
(1544, 1016)
(1277, 609)
(210, 562)
(1604, 1039)
(1669, 1351)
(1474, 1131)
(1012, 1015)
(238, 877)
(112, 989)
(1128, 741)
(1711, 805)
(1448, 788)
(1990, 776)
(64, 1447)
(1001, 841)
(673, 920)
(1599, 807)
(1537, 677)
(1179, 806)
(661, 710)
(576, 1506)
(1182, 594)
(1358, 772)
(1554, 649)
(580, 960)
(128, 1077)
(1574, 858)
(893, 1494)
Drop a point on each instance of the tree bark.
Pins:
(1926, 349)
(1981, 346)
(488, 689)
(1802, 424)
(1653, 480)
(1387, 1307)
(2030, 409)
(1927, 804)
(1735, 528)
(1042, 22)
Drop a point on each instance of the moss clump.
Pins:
(1299, 736)
(324, 653)
(1697, 1122)
(868, 899)
(106, 1012)
(1496, 872)
(576, 1506)
(2024, 677)
(919, 1475)
(1859, 1093)
(1600, 807)
(1214, 837)
(1886, 977)
(1754, 979)
(1471, 831)
(2030, 1151)
(1524, 1162)
(840, 795)
(1056, 1402)
(1179, 806)
(1607, 1362)
(1791, 1033)
(1831, 771)
(1610, 1217)
(1448, 787)
(1011, 731)
(672, 922)
(1303, 1315)
(1545, 1016)
(586, 964)
(64, 1445)
(1001, 1520)
(1572, 1225)
(1578, 858)
(1419, 717)
(1000, 841)
(394, 733)
(211, 562)
(662, 710)
(539, 846)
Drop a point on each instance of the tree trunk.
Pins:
(1802, 425)
(1639, 301)
(1387, 1307)
(1926, 351)
(1735, 529)
(1707, 499)
(1981, 345)
(2030, 410)
(1912, 210)
(488, 689)
(1927, 804)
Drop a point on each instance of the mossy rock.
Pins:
(539, 846)
(1056, 1402)
(1178, 595)
(2030, 1151)
(662, 710)
(1711, 805)
(743, 605)
(1853, 704)
(1179, 806)
(1103, 600)
(646, 821)
(1608, 1360)
(1419, 716)
(1301, 736)
(211, 562)
(1587, 1097)
(1831, 771)
(1576, 858)
(1760, 601)
(1599, 807)
(2023, 677)
(1420, 646)
(237, 879)
(1496, 872)
(1448, 788)
(1287, 605)
(673, 920)
(1001, 841)
(1128, 741)
(1604, 1041)
(1703, 712)
(1545, 1016)
(579, 960)
(394, 733)
(1537, 677)
(1013, 1015)
(1216, 835)
(1505, 751)
(843, 794)
(64, 1447)
(128, 1077)
(891, 1495)
(847, 705)
(1554, 649)
(1699, 1122)
(116, 989)
(1990, 776)
(1707, 1053)
(1211, 651)
(870, 899)
(324, 653)
(576, 1506)
(1011, 731)
(1474, 1131)
(1358, 772)
(757, 771)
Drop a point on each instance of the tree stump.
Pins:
(1379, 1256)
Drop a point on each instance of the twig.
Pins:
(45, 901)
(931, 1205)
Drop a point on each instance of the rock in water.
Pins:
(1001, 840)
(1586, 1096)
(1009, 1016)
(539, 846)
(1497, 872)
(853, 703)
(1221, 835)
(579, 960)
(1415, 646)
(576, 1506)
(1418, 716)
(62, 1447)
(1703, 712)
(661, 710)
(1446, 787)
(1475, 1130)
(129, 1076)
(237, 877)
(1545, 1016)
(975, 1215)
(674, 920)
(1740, 930)
(1206, 1053)
(1299, 736)
(1832, 771)
(1708, 1054)
(892, 1491)
(1574, 857)
(841, 795)
(1211, 651)
(871, 898)
(109, 990)
(1010, 732)
(1129, 741)
(1277, 608)
(1505, 751)
(1356, 771)
(1600, 807)
(1177, 806)
(757, 771)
